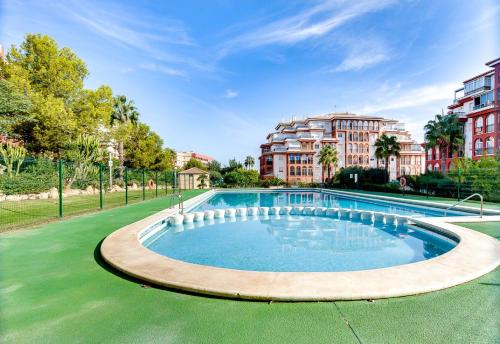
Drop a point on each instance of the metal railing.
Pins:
(465, 199)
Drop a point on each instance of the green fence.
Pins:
(42, 189)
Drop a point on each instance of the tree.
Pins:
(249, 162)
(15, 108)
(143, 148)
(124, 114)
(385, 147)
(444, 131)
(84, 153)
(39, 65)
(202, 180)
(12, 155)
(194, 163)
(327, 158)
(93, 110)
(214, 165)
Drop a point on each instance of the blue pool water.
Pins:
(297, 243)
(313, 199)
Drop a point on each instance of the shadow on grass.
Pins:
(102, 263)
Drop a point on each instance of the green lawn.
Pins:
(31, 212)
(55, 288)
(472, 203)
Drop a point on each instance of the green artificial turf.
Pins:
(55, 288)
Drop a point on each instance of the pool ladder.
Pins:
(181, 204)
(465, 199)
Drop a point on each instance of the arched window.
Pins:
(436, 167)
(360, 160)
(367, 160)
(479, 125)
(292, 170)
(478, 147)
(375, 126)
(366, 137)
(349, 148)
(490, 144)
(338, 124)
(343, 124)
(490, 123)
(350, 136)
(365, 125)
(297, 170)
(354, 125)
(355, 150)
(370, 125)
(310, 171)
(355, 136)
(349, 125)
(367, 149)
(360, 125)
(429, 167)
(309, 159)
(304, 171)
(349, 160)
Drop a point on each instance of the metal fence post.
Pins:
(156, 183)
(459, 183)
(166, 183)
(143, 184)
(60, 188)
(126, 185)
(100, 185)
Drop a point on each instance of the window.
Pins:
(292, 171)
(360, 125)
(490, 144)
(343, 124)
(304, 159)
(365, 125)
(292, 159)
(309, 159)
(355, 125)
(349, 148)
(429, 167)
(349, 125)
(310, 171)
(316, 146)
(360, 160)
(349, 160)
(478, 147)
(436, 167)
(297, 173)
(304, 171)
(479, 125)
(375, 126)
(490, 123)
(355, 137)
(355, 148)
(370, 125)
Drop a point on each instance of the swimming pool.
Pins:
(223, 200)
(297, 243)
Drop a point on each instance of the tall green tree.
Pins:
(93, 110)
(124, 114)
(385, 147)
(15, 108)
(328, 158)
(444, 131)
(249, 162)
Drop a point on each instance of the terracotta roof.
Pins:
(193, 170)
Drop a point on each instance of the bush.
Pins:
(273, 181)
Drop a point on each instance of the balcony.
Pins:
(479, 84)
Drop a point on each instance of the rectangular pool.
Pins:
(222, 200)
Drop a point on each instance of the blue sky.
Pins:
(216, 76)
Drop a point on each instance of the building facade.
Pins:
(477, 104)
(183, 157)
(291, 152)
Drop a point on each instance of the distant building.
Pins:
(477, 104)
(183, 157)
(2, 53)
(291, 151)
(192, 179)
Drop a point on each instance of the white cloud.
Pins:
(409, 98)
(230, 94)
(153, 67)
(364, 54)
(313, 22)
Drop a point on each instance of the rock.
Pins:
(2, 198)
(33, 196)
(12, 198)
(43, 195)
(53, 193)
(89, 190)
(134, 186)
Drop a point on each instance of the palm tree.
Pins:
(446, 132)
(387, 146)
(124, 113)
(249, 162)
(202, 181)
(327, 158)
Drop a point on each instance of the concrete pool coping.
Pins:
(475, 255)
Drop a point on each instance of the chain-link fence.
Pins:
(40, 190)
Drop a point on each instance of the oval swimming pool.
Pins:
(295, 243)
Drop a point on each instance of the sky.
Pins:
(217, 76)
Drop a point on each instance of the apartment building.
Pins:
(292, 150)
(477, 104)
(183, 157)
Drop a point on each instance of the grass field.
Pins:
(55, 288)
(32, 212)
